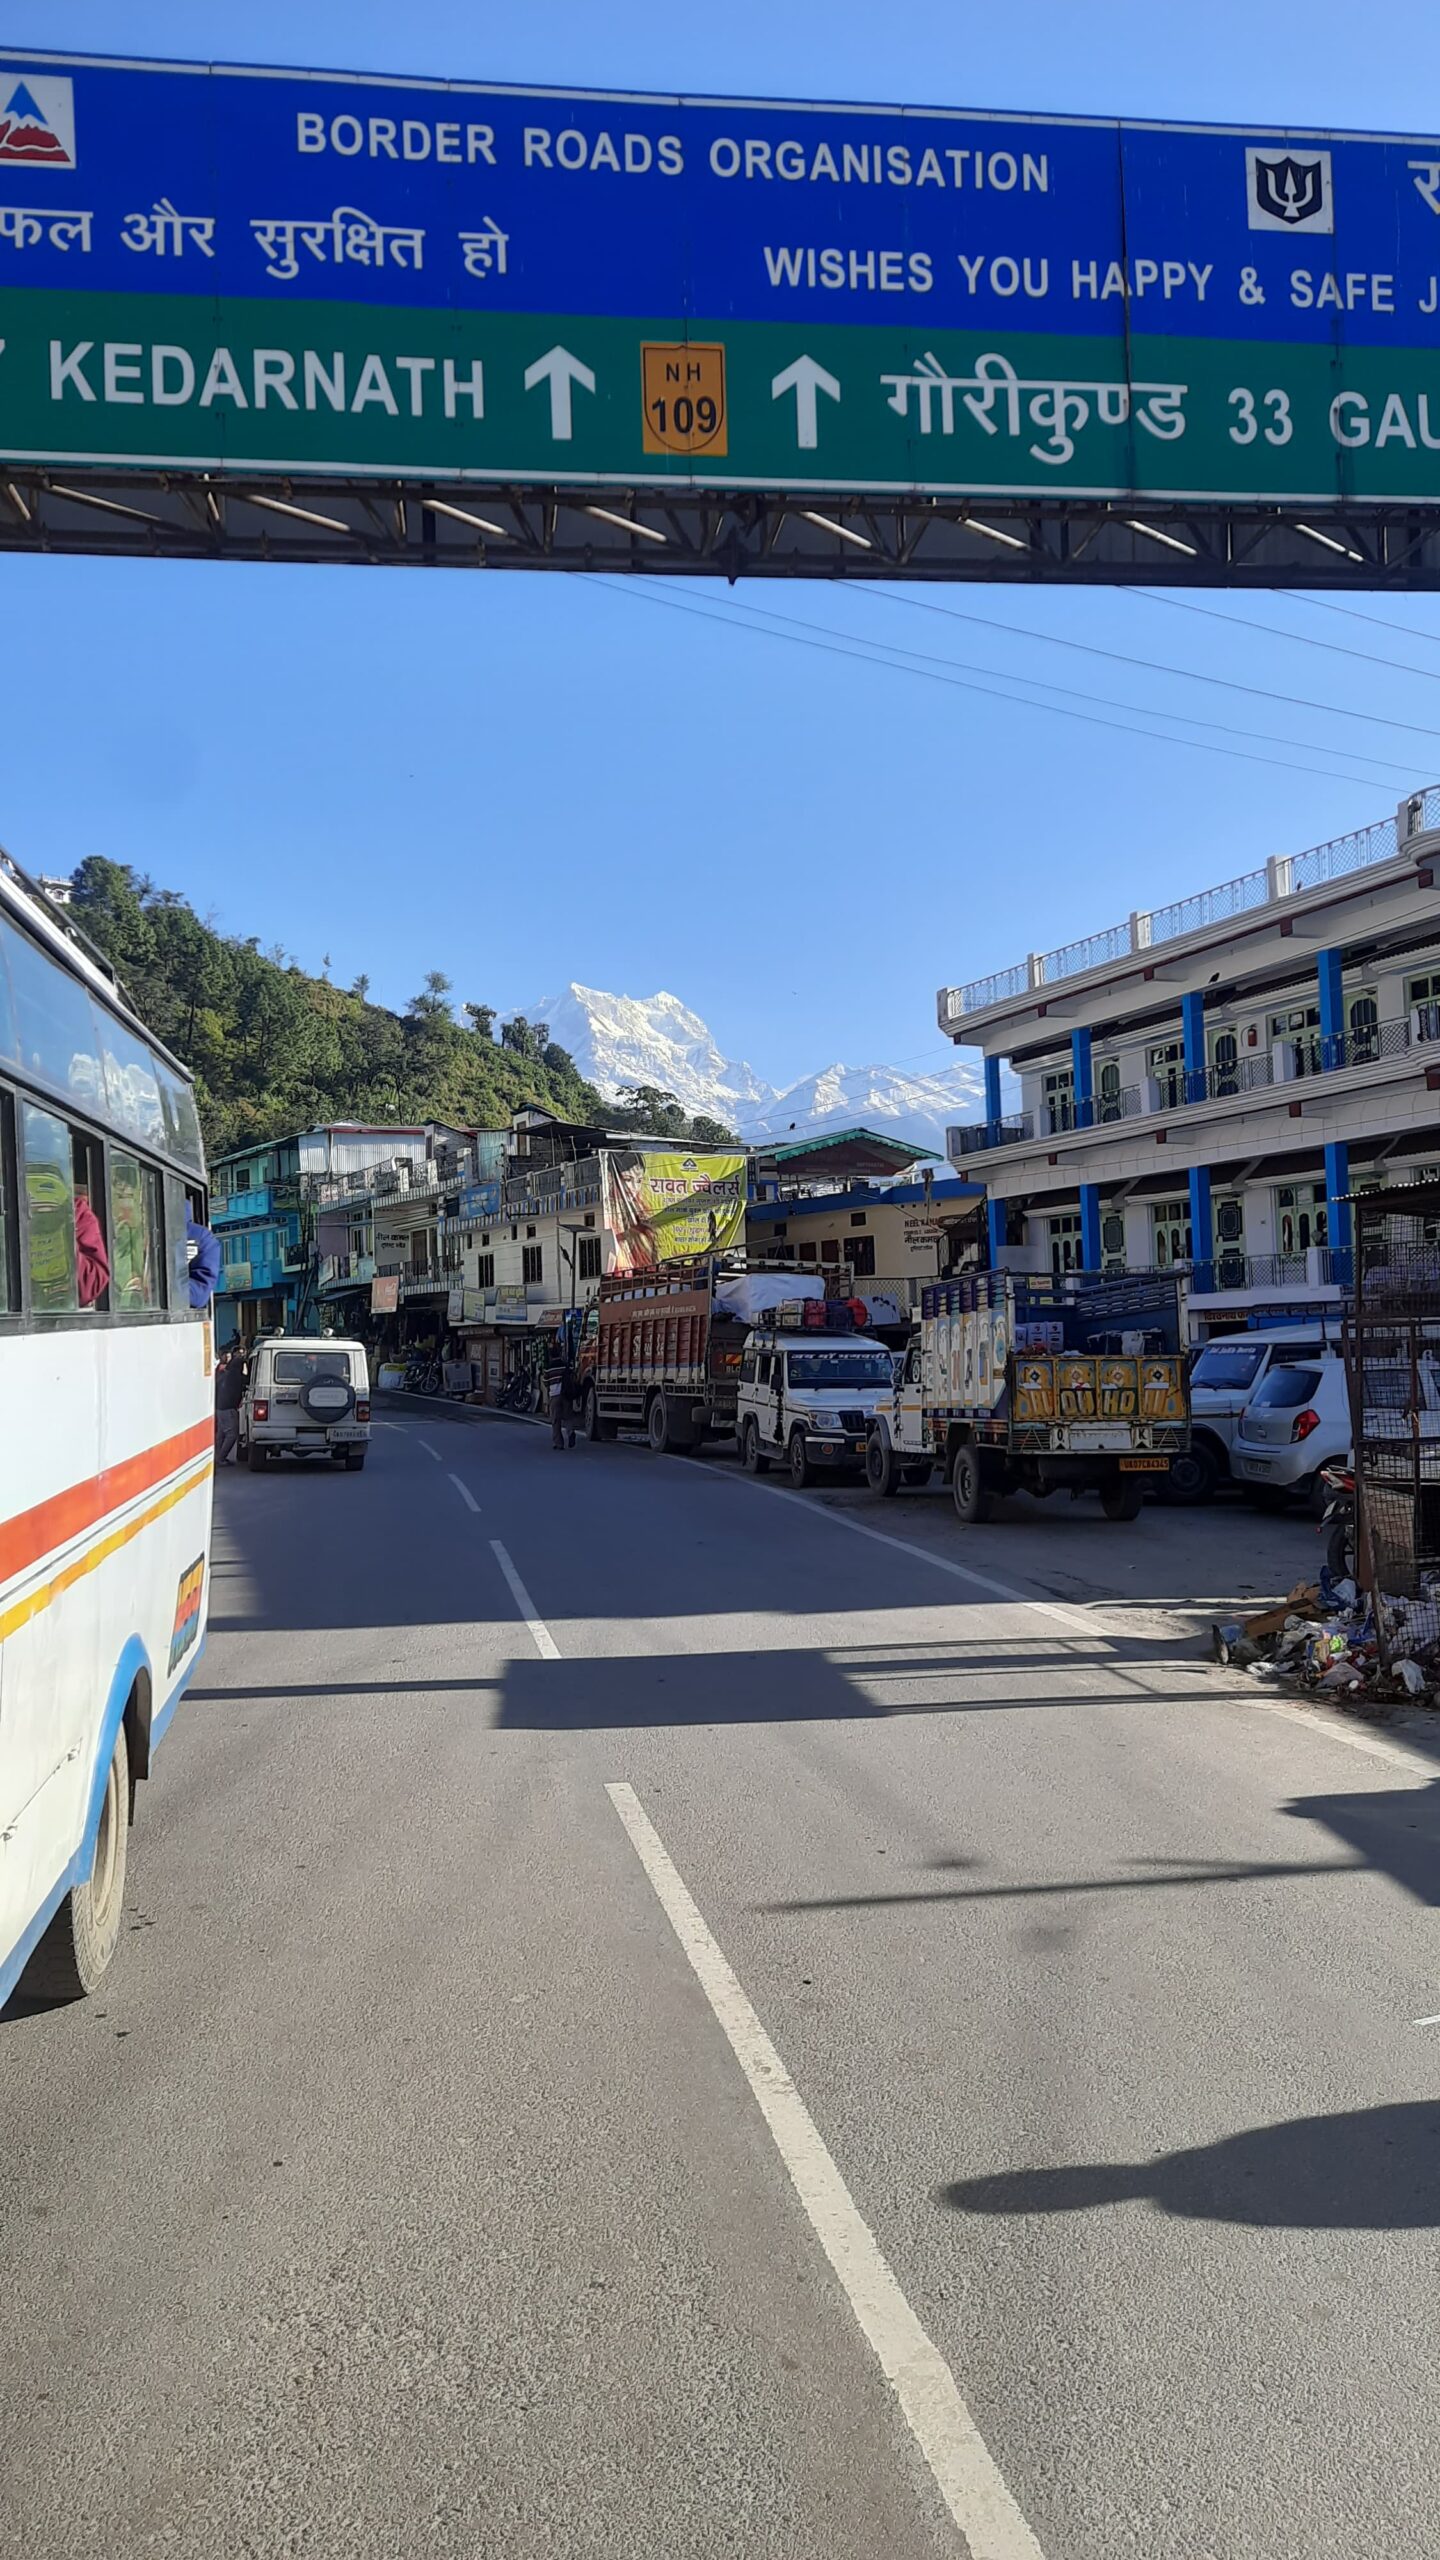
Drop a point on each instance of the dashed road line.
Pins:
(465, 1493)
(543, 1641)
(961, 2462)
(433, 1453)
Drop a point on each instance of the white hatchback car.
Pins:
(308, 1397)
(1297, 1422)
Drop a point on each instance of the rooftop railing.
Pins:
(1284, 876)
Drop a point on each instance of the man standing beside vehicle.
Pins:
(559, 1390)
(230, 1383)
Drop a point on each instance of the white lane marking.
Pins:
(1426, 2022)
(1091, 1627)
(465, 1493)
(544, 1643)
(912, 2364)
(1336, 1728)
(431, 1453)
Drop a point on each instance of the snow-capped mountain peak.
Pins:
(657, 1040)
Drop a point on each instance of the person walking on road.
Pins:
(230, 1383)
(558, 1390)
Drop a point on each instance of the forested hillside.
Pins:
(273, 1049)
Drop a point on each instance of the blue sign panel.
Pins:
(235, 267)
(480, 1200)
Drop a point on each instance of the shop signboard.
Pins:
(248, 270)
(662, 1204)
(480, 1200)
(511, 1305)
(385, 1295)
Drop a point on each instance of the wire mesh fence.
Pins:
(1393, 1355)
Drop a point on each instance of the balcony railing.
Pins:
(1284, 876)
(1285, 1062)
(1319, 1267)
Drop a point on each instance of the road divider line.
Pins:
(543, 1641)
(431, 1453)
(961, 2462)
(466, 1496)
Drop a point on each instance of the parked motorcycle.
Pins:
(1337, 1523)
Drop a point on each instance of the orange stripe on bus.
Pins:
(37, 1601)
(36, 1533)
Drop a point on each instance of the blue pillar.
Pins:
(992, 1090)
(995, 1229)
(1082, 1077)
(1192, 1028)
(1090, 1250)
(1330, 973)
(1337, 1207)
(1202, 1232)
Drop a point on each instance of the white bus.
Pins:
(106, 1437)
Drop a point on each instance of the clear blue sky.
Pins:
(522, 780)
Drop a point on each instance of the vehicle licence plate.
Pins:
(1098, 1435)
(1257, 1466)
(1145, 1466)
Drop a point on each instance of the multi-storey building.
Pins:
(1204, 1084)
(259, 1197)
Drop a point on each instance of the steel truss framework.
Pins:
(742, 534)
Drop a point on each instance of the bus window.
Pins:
(137, 1235)
(132, 1083)
(57, 1039)
(180, 1204)
(49, 1213)
(9, 1275)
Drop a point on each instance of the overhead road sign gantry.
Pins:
(282, 314)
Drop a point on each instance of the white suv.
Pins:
(308, 1397)
(806, 1399)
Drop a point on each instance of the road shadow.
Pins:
(1373, 2169)
(795, 1685)
(1395, 1829)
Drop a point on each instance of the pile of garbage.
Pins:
(1323, 1637)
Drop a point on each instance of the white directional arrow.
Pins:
(560, 369)
(805, 378)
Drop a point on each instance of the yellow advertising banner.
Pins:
(660, 1206)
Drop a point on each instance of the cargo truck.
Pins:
(660, 1350)
(1039, 1384)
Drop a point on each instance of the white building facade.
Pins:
(1204, 1084)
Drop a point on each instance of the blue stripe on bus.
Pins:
(132, 1661)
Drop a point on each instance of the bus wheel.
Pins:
(77, 1947)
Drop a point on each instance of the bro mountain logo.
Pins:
(37, 122)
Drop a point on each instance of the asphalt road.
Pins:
(423, 2180)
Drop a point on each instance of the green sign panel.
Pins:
(160, 379)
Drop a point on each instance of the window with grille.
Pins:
(1170, 1232)
(484, 1270)
(532, 1262)
(590, 1257)
(1066, 1248)
(1302, 1217)
(1058, 1088)
(1167, 1066)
